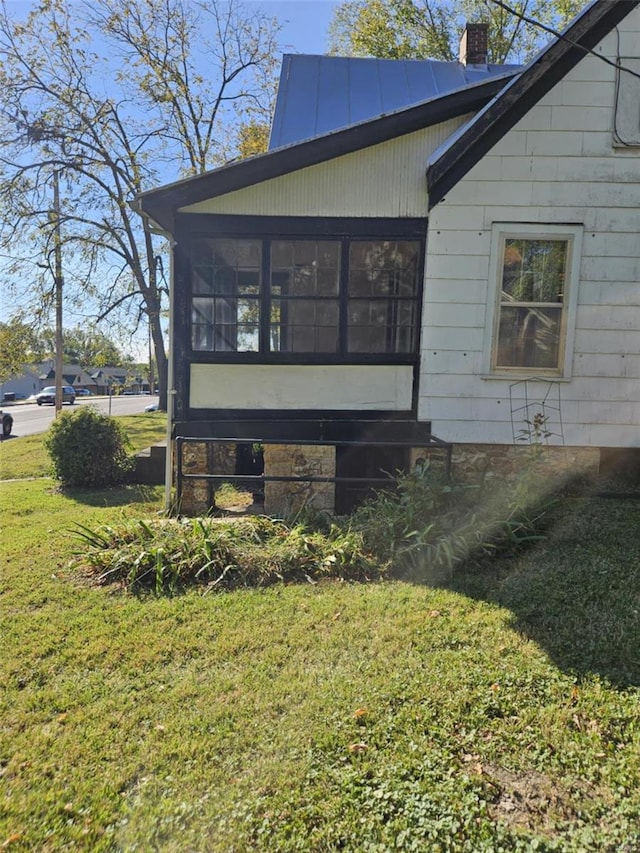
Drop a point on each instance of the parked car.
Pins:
(48, 395)
(83, 392)
(7, 424)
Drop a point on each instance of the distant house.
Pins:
(22, 384)
(98, 380)
(109, 380)
(72, 374)
(445, 249)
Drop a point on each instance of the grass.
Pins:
(498, 713)
(26, 457)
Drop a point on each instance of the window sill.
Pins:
(526, 377)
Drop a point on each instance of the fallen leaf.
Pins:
(358, 747)
(359, 713)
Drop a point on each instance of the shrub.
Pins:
(88, 449)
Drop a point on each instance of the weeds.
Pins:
(428, 526)
(166, 555)
(430, 523)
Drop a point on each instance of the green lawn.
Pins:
(26, 457)
(500, 713)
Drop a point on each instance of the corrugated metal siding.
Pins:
(557, 165)
(383, 180)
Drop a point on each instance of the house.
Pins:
(22, 385)
(398, 274)
(72, 374)
(108, 380)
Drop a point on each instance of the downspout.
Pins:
(171, 391)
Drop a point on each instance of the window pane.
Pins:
(382, 325)
(202, 324)
(202, 279)
(387, 272)
(225, 269)
(529, 337)
(534, 270)
(305, 267)
(301, 271)
(248, 338)
(389, 267)
(304, 281)
(304, 325)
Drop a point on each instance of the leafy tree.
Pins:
(253, 138)
(16, 341)
(420, 29)
(117, 96)
(87, 347)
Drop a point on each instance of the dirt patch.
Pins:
(531, 800)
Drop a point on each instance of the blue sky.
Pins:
(305, 30)
(306, 23)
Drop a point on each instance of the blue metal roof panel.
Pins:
(320, 94)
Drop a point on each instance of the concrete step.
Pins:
(150, 466)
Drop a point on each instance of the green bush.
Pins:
(88, 449)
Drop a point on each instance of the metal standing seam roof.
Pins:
(321, 94)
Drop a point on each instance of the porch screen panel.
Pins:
(226, 288)
(383, 290)
(304, 287)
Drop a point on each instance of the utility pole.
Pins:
(57, 253)
(152, 381)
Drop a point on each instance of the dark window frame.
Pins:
(268, 229)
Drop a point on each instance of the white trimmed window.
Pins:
(535, 270)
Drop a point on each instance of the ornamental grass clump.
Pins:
(88, 449)
(168, 555)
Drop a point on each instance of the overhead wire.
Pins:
(561, 36)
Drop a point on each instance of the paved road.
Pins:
(29, 418)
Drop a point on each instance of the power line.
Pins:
(558, 35)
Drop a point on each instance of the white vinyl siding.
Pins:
(557, 168)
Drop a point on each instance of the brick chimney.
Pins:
(474, 44)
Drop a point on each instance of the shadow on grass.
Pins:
(116, 496)
(577, 593)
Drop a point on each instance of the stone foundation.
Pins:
(470, 463)
(283, 498)
(477, 461)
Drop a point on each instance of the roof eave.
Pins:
(160, 205)
(519, 95)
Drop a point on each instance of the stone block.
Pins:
(284, 498)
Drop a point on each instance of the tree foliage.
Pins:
(253, 138)
(84, 346)
(16, 343)
(118, 96)
(421, 29)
